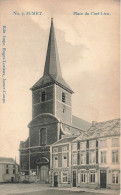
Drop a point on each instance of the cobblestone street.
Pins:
(44, 189)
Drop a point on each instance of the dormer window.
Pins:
(63, 97)
(43, 96)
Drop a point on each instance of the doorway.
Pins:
(12, 179)
(74, 178)
(43, 171)
(102, 178)
(55, 180)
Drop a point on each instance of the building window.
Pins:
(63, 97)
(92, 157)
(103, 143)
(103, 157)
(115, 178)
(83, 177)
(13, 169)
(74, 147)
(64, 108)
(55, 161)
(7, 169)
(115, 156)
(92, 177)
(115, 142)
(43, 96)
(43, 137)
(74, 159)
(64, 160)
(83, 158)
(92, 144)
(83, 145)
(64, 149)
(55, 150)
(65, 177)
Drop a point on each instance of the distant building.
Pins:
(52, 116)
(92, 160)
(8, 170)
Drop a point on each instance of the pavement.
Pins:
(98, 191)
(36, 188)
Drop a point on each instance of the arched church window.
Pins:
(43, 96)
(43, 136)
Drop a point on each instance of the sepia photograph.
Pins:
(60, 97)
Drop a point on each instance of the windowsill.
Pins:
(103, 163)
(92, 183)
(113, 163)
(92, 163)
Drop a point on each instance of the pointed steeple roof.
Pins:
(52, 70)
(52, 64)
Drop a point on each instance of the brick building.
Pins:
(52, 116)
(8, 170)
(92, 160)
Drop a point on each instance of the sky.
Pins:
(88, 47)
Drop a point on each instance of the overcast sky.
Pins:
(88, 47)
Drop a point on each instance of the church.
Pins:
(52, 117)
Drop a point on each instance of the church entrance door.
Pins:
(43, 169)
(43, 172)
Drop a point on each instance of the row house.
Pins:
(8, 170)
(93, 159)
(60, 162)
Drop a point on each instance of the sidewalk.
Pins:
(98, 191)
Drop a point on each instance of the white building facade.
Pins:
(94, 158)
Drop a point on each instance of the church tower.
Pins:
(51, 117)
(51, 94)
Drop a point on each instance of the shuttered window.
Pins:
(55, 162)
(74, 158)
(115, 179)
(7, 169)
(103, 157)
(92, 157)
(115, 156)
(83, 145)
(92, 177)
(64, 160)
(83, 158)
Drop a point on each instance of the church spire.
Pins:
(52, 64)
(52, 70)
